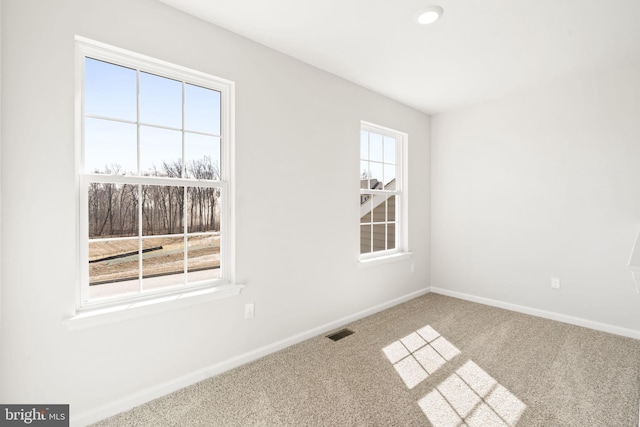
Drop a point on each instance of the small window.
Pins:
(154, 175)
(381, 194)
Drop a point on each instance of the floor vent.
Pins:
(340, 334)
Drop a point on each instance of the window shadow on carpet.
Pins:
(468, 397)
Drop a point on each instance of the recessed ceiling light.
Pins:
(429, 15)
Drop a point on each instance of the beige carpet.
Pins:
(434, 360)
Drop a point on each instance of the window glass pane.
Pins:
(162, 210)
(202, 109)
(203, 257)
(389, 177)
(160, 101)
(391, 236)
(110, 90)
(375, 147)
(364, 172)
(364, 145)
(202, 156)
(113, 262)
(389, 150)
(375, 170)
(379, 237)
(365, 208)
(203, 209)
(379, 210)
(365, 239)
(113, 210)
(391, 208)
(160, 152)
(110, 147)
(162, 262)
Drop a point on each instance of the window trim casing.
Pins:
(85, 47)
(401, 251)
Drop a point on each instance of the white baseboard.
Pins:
(612, 329)
(151, 393)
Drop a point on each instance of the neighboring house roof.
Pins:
(376, 199)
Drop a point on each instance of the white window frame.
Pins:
(225, 285)
(401, 250)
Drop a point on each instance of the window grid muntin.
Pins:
(183, 129)
(380, 164)
(371, 223)
(119, 57)
(368, 193)
(123, 58)
(185, 233)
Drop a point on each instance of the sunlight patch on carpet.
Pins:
(468, 397)
(419, 355)
(471, 397)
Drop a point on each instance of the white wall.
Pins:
(538, 185)
(297, 143)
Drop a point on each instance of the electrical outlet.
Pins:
(412, 268)
(249, 310)
(555, 283)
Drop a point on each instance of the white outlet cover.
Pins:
(555, 282)
(249, 310)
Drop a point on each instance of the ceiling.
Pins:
(478, 50)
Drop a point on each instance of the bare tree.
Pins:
(113, 208)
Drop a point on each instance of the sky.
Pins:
(378, 156)
(110, 92)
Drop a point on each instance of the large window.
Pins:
(382, 227)
(154, 173)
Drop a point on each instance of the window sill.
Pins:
(90, 317)
(384, 259)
